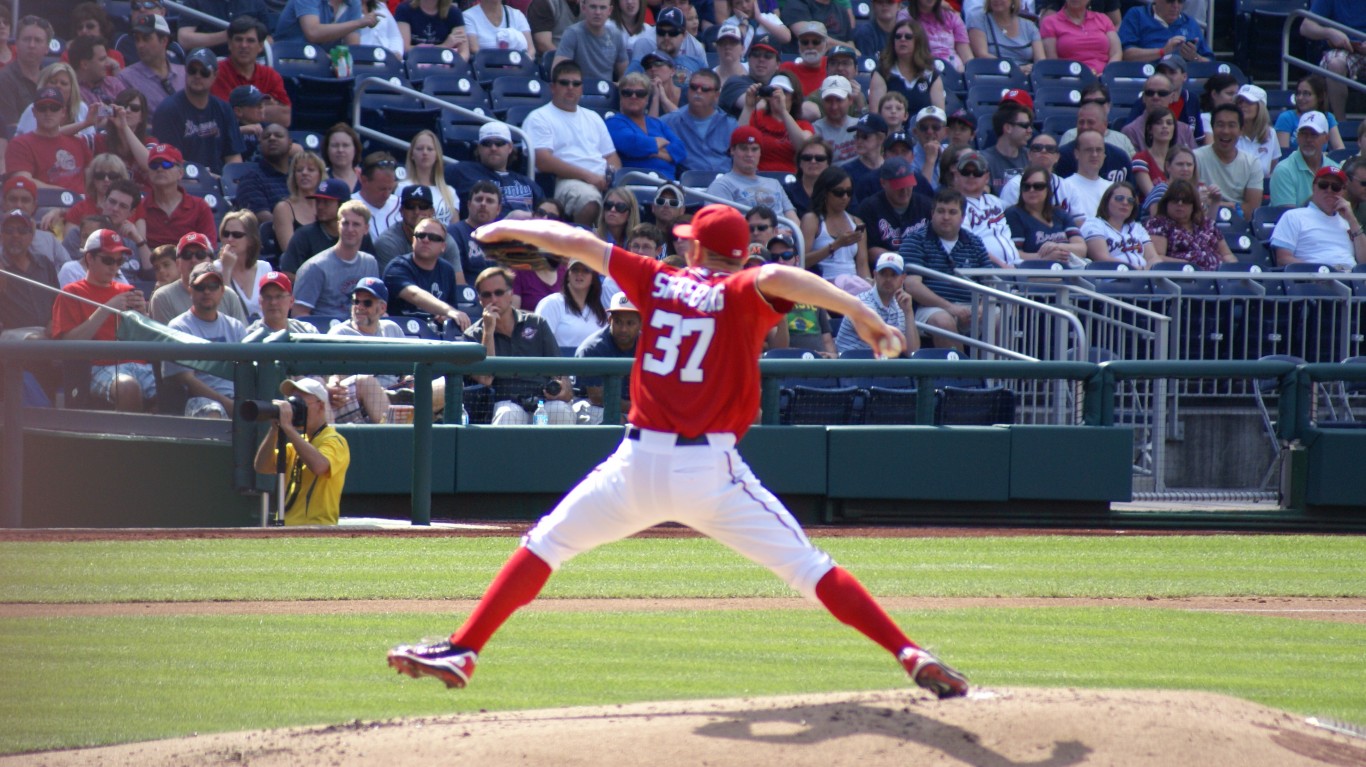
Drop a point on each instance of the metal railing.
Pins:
(1287, 59)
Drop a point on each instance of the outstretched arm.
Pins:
(803, 287)
(552, 237)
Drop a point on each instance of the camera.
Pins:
(552, 388)
(266, 410)
(765, 91)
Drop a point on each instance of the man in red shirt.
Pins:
(694, 393)
(810, 64)
(246, 36)
(127, 385)
(171, 211)
(52, 160)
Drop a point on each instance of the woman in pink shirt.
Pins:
(946, 31)
(1080, 35)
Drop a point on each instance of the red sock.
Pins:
(852, 605)
(520, 580)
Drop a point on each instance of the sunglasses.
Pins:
(203, 287)
(633, 93)
(539, 213)
(668, 202)
(695, 88)
(1123, 198)
(494, 142)
(106, 175)
(194, 255)
(417, 206)
(569, 83)
(760, 227)
(784, 255)
(1329, 186)
(1149, 93)
(1037, 186)
(842, 192)
(499, 293)
(1025, 126)
(144, 5)
(46, 108)
(385, 164)
(1181, 201)
(810, 41)
(661, 32)
(231, 235)
(1043, 148)
(109, 260)
(161, 165)
(972, 173)
(1101, 102)
(429, 237)
(903, 36)
(366, 302)
(616, 207)
(198, 72)
(814, 158)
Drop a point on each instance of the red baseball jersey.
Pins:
(67, 313)
(697, 359)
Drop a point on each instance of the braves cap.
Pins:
(729, 32)
(246, 96)
(621, 303)
(153, 23)
(896, 173)
(279, 280)
(165, 152)
(1314, 121)
(1329, 171)
(203, 56)
(1018, 96)
(782, 238)
(671, 17)
(106, 240)
(49, 96)
(205, 269)
(495, 130)
(374, 286)
(841, 50)
(897, 137)
(972, 157)
(870, 123)
(835, 85)
(720, 229)
(745, 134)
(333, 189)
(417, 193)
(22, 216)
(891, 261)
(654, 57)
(962, 116)
(763, 43)
(193, 238)
(1173, 62)
(20, 182)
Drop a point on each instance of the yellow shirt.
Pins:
(317, 500)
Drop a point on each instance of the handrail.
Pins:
(743, 208)
(1287, 59)
(627, 178)
(1001, 295)
(185, 10)
(364, 83)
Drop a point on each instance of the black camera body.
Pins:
(765, 91)
(551, 390)
(265, 410)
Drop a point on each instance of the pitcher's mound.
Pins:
(993, 727)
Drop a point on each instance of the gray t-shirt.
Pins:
(1019, 50)
(759, 190)
(1245, 172)
(1003, 168)
(224, 329)
(596, 55)
(173, 300)
(325, 282)
(839, 137)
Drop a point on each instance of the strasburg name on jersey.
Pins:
(708, 299)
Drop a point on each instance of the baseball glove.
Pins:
(514, 254)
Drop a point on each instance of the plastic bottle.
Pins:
(540, 417)
(464, 416)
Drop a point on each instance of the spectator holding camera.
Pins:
(506, 331)
(315, 461)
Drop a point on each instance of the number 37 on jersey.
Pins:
(675, 334)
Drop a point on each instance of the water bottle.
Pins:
(464, 416)
(540, 417)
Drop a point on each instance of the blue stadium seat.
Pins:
(1073, 74)
(232, 176)
(488, 64)
(956, 406)
(999, 72)
(516, 90)
(425, 60)
(460, 90)
(885, 406)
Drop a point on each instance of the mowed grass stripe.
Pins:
(460, 568)
(86, 681)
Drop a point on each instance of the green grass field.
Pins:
(86, 681)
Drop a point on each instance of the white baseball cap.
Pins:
(931, 112)
(621, 303)
(891, 261)
(495, 130)
(1252, 93)
(731, 31)
(1314, 121)
(836, 85)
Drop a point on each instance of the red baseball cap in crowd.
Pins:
(21, 182)
(720, 229)
(165, 152)
(1328, 171)
(745, 134)
(106, 240)
(279, 280)
(193, 238)
(1017, 96)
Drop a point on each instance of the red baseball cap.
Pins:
(745, 134)
(1020, 97)
(1330, 171)
(720, 229)
(279, 280)
(165, 152)
(21, 182)
(193, 238)
(106, 240)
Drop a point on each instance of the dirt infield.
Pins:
(994, 727)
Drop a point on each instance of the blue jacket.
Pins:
(1141, 28)
(637, 148)
(707, 143)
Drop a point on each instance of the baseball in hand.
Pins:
(889, 347)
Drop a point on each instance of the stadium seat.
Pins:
(1200, 71)
(885, 406)
(57, 198)
(982, 100)
(459, 90)
(515, 90)
(698, 179)
(375, 61)
(426, 60)
(1264, 220)
(808, 405)
(488, 64)
(311, 141)
(1060, 72)
(232, 176)
(1258, 25)
(956, 406)
(321, 101)
(416, 327)
(600, 96)
(999, 72)
(323, 324)
(1126, 71)
(1316, 323)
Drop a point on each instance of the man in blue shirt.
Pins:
(703, 129)
(1153, 32)
(323, 22)
(944, 246)
(196, 122)
(422, 282)
(617, 340)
